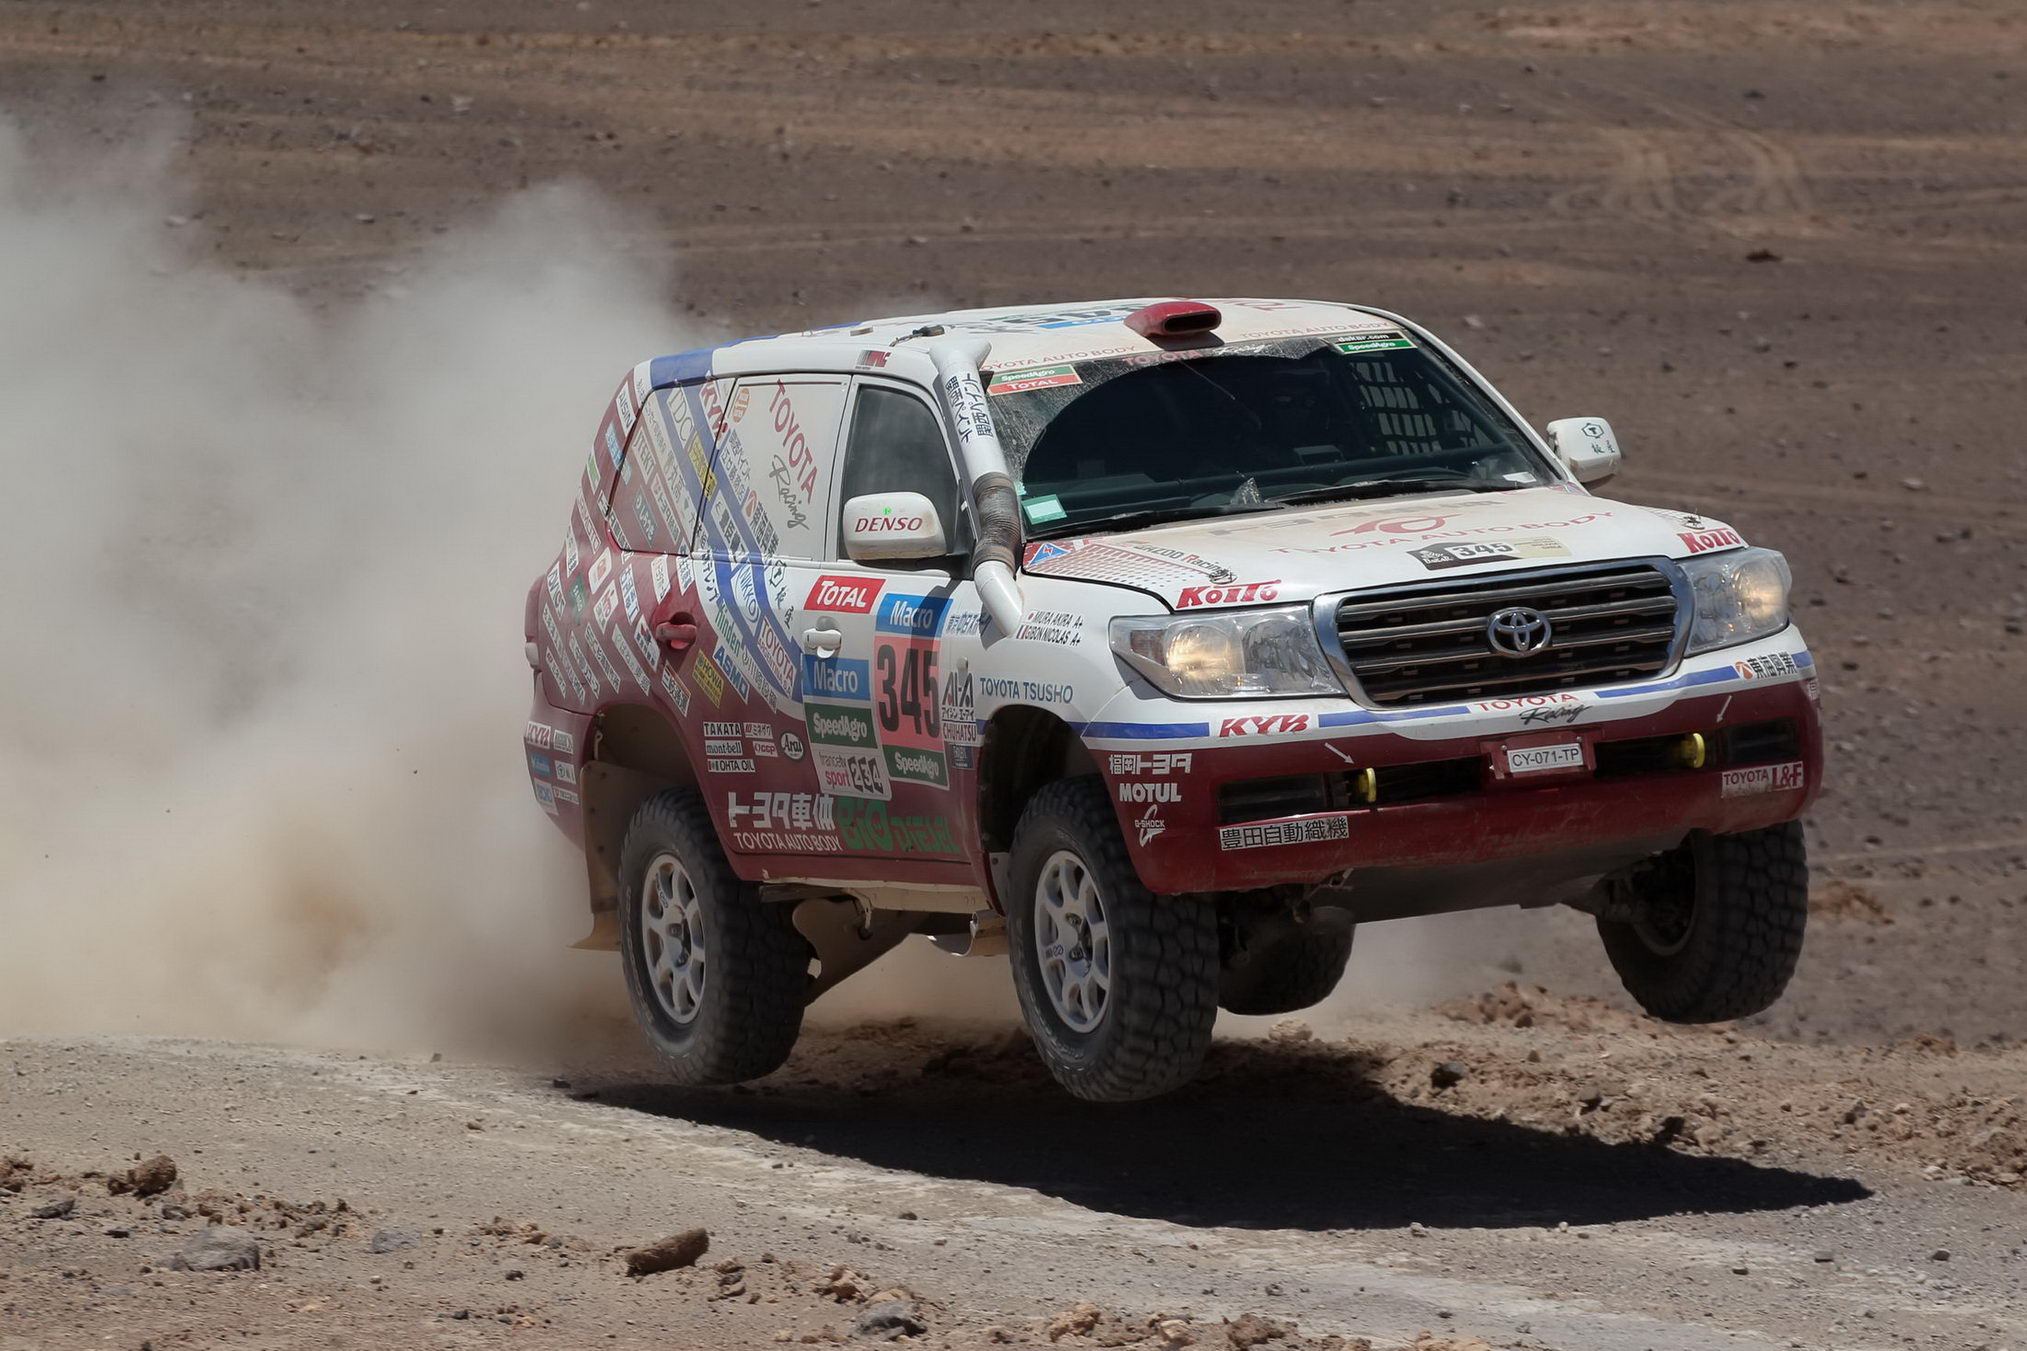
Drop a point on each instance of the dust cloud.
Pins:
(261, 682)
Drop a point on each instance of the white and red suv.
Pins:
(1156, 644)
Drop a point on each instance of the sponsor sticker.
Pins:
(843, 595)
(731, 766)
(1771, 666)
(1238, 594)
(915, 616)
(1702, 541)
(1033, 377)
(1757, 779)
(1040, 510)
(1439, 556)
(1265, 724)
(1152, 762)
(835, 678)
(1149, 824)
(869, 827)
(1270, 834)
(791, 746)
(1377, 342)
(709, 679)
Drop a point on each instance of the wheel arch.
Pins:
(636, 752)
(1023, 750)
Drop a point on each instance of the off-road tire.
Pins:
(756, 964)
(1749, 904)
(1296, 971)
(1162, 1000)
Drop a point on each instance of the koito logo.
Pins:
(1227, 595)
(1702, 541)
(887, 525)
(846, 595)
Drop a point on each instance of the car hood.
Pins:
(1298, 554)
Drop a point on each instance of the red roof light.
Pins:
(1174, 319)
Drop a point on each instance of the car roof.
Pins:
(1020, 335)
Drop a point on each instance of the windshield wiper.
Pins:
(1127, 520)
(1393, 487)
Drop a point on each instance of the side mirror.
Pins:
(1586, 447)
(892, 526)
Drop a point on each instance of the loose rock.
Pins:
(890, 1319)
(219, 1248)
(393, 1240)
(677, 1250)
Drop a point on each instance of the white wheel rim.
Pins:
(672, 938)
(1073, 941)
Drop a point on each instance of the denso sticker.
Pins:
(1702, 541)
(1239, 594)
(1269, 834)
(1758, 779)
(843, 595)
(1265, 724)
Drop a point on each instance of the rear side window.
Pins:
(896, 445)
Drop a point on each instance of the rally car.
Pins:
(1153, 645)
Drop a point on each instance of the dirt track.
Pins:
(1781, 246)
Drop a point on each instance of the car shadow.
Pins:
(1268, 1137)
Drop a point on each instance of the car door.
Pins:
(872, 640)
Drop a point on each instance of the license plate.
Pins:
(1530, 759)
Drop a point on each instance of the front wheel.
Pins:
(717, 979)
(1119, 987)
(1719, 926)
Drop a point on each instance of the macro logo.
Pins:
(834, 678)
(918, 616)
(844, 595)
(1227, 595)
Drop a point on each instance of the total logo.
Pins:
(844, 595)
(1227, 595)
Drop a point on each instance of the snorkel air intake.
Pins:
(997, 554)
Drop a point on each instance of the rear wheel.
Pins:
(1118, 986)
(717, 979)
(1294, 971)
(1719, 927)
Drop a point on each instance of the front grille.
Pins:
(1424, 647)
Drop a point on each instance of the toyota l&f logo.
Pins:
(1518, 631)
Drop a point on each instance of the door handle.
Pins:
(822, 642)
(677, 632)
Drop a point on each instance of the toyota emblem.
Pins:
(1518, 631)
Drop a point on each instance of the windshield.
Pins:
(1240, 428)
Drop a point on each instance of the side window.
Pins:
(654, 498)
(896, 445)
(770, 485)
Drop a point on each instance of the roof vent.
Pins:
(1174, 319)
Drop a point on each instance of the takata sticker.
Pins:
(1372, 342)
(1757, 779)
(1270, 834)
(1034, 377)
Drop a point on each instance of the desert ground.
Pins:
(1782, 246)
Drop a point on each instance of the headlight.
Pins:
(1740, 595)
(1245, 654)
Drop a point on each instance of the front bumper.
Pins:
(1442, 795)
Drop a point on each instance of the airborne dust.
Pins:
(261, 681)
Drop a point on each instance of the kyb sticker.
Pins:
(1757, 779)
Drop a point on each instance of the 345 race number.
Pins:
(907, 689)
